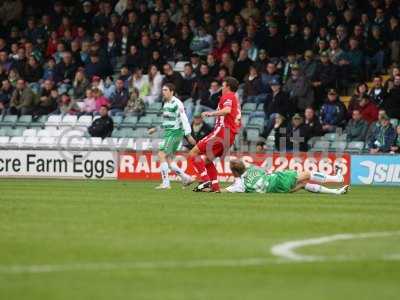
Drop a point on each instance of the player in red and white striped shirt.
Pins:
(219, 141)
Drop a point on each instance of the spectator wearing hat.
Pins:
(332, 22)
(296, 135)
(332, 112)
(392, 102)
(300, 90)
(279, 104)
(357, 128)
(383, 137)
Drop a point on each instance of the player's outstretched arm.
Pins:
(236, 187)
(223, 112)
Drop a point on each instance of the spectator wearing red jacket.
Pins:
(369, 110)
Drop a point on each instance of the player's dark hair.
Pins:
(232, 83)
(170, 86)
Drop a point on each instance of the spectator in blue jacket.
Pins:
(119, 98)
(383, 137)
(332, 113)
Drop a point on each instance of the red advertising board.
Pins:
(145, 165)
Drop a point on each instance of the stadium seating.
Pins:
(253, 134)
(84, 121)
(256, 123)
(68, 121)
(9, 120)
(249, 107)
(53, 121)
(39, 122)
(338, 146)
(321, 146)
(154, 108)
(355, 147)
(129, 122)
(24, 121)
(4, 141)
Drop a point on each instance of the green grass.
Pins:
(101, 232)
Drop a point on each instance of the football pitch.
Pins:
(63, 239)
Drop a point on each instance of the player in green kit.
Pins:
(176, 126)
(256, 180)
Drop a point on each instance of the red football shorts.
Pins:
(217, 143)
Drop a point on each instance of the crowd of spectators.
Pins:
(295, 58)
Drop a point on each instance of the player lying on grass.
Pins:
(256, 180)
(176, 126)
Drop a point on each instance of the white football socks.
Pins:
(164, 174)
(323, 178)
(185, 177)
(316, 188)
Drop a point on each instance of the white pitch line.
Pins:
(287, 250)
(285, 253)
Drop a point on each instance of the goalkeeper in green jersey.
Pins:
(176, 126)
(256, 180)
